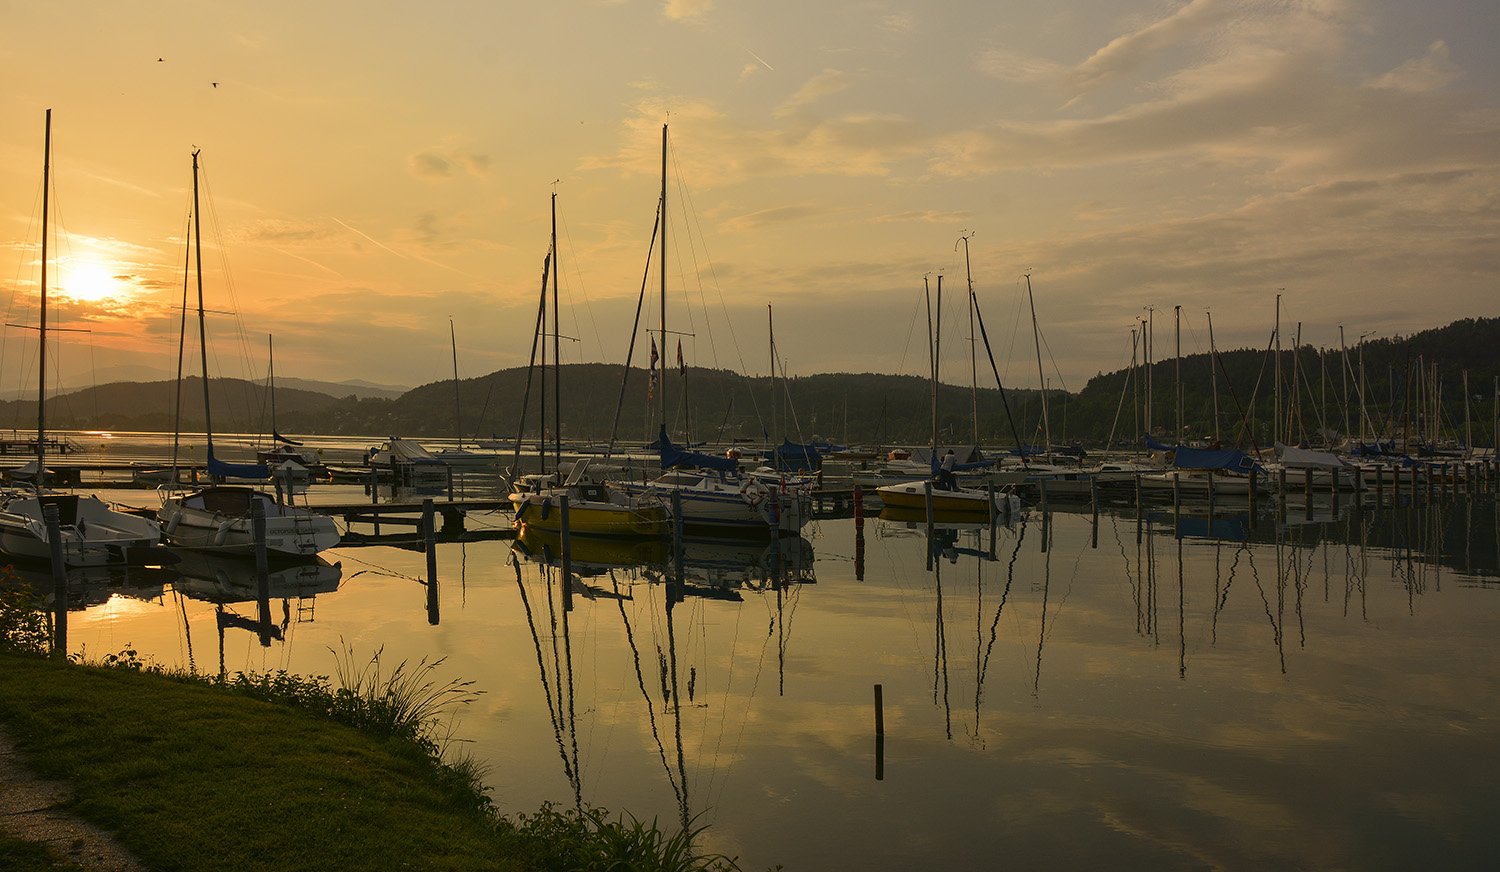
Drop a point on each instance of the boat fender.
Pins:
(546, 507)
(521, 512)
(753, 493)
(172, 524)
(223, 532)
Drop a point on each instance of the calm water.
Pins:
(1314, 694)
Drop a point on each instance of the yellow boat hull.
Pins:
(589, 518)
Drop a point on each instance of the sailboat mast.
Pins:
(1344, 377)
(458, 425)
(771, 332)
(556, 352)
(973, 351)
(208, 420)
(1468, 429)
(1177, 366)
(1276, 379)
(1213, 373)
(932, 361)
(271, 380)
(1041, 380)
(662, 381)
(41, 385)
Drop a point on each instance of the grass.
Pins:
(19, 856)
(265, 772)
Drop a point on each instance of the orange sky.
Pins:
(375, 168)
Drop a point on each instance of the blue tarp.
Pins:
(282, 439)
(236, 470)
(1205, 458)
(1153, 445)
(796, 458)
(673, 456)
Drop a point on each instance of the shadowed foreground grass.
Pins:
(197, 777)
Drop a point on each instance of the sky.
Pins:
(372, 170)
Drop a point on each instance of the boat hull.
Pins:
(203, 521)
(590, 518)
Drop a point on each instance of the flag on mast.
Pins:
(681, 366)
(651, 380)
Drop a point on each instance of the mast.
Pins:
(1276, 380)
(556, 355)
(932, 362)
(1177, 366)
(271, 381)
(208, 419)
(771, 332)
(458, 426)
(1363, 414)
(1149, 340)
(1041, 379)
(663, 381)
(1344, 377)
(1468, 430)
(1213, 373)
(973, 351)
(41, 385)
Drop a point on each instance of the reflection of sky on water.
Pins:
(1334, 707)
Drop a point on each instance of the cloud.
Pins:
(686, 10)
(441, 162)
(1131, 51)
(1009, 66)
(924, 216)
(1428, 73)
(819, 86)
(767, 217)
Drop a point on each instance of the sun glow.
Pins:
(89, 281)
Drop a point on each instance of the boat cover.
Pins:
(673, 456)
(1306, 458)
(1229, 459)
(236, 470)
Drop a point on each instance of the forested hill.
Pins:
(861, 408)
(1322, 378)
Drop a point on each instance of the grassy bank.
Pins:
(278, 771)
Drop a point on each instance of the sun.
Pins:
(88, 281)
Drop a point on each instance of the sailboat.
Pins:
(593, 509)
(92, 533)
(710, 491)
(219, 516)
(292, 464)
(943, 493)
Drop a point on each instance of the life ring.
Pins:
(753, 493)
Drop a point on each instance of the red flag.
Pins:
(681, 367)
(651, 379)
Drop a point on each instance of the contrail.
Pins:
(759, 58)
(382, 245)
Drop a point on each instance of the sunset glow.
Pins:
(1202, 153)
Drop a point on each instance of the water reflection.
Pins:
(662, 592)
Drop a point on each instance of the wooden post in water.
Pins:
(1046, 515)
(1281, 491)
(859, 507)
(449, 470)
(1395, 485)
(678, 529)
(1211, 496)
(262, 572)
(927, 504)
(59, 582)
(1307, 492)
(1138, 508)
(1177, 505)
(1094, 502)
(1333, 490)
(429, 546)
(566, 535)
(989, 493)
(1254, 488)
(375, 495)
(879, 733)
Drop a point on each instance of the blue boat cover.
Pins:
(1230, 459)
(673, 456)
(796, 458)
(236, 470)
(1153, 445)
(282, 439)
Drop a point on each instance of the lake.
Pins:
(1313, 690)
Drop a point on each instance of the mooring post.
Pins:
(1177, 505)
(989, 493)
(1254, 487)
(429, 547)
(566, 535)
(1094, 502)
(931, 533)
(1046, 514)
(1333, 490)
(375, 496)
(1139, 508)
(879, 733)
(1281, 492)
(1212, 497)
(1307, 492)
(262, 567)
(59, 581)
(859, 507)
(679, 528)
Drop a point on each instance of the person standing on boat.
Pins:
(946, 480)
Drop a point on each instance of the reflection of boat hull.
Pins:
(1198, 483)
(219, 518)
(913, 495)
(917, 518)
(217, 579)
(589, 555)
(541, 511)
